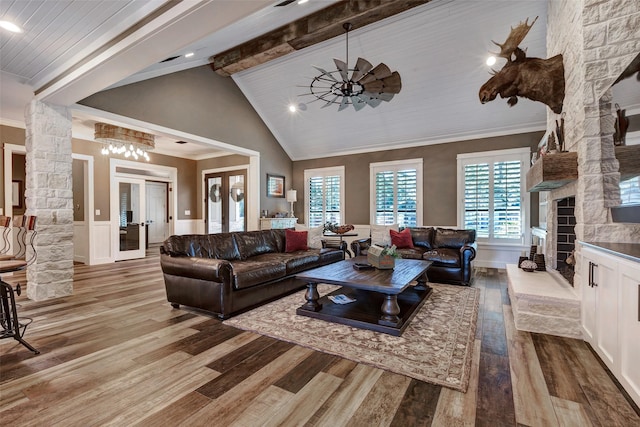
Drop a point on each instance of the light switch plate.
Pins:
(97, 212)
(187, 212)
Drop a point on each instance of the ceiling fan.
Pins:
(368, 85)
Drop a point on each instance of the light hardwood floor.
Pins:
(116, 353)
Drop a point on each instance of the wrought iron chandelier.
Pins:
(366, 86)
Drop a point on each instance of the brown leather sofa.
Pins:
(227, 273)
(451, 252)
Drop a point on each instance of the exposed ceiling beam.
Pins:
(312, 29)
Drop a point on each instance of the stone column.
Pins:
(49, 197)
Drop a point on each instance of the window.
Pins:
(396, 193)
(324, 195)
(630, 191)
(492, 194)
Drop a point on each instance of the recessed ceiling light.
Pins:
(302, 1)
(491, 60)
(189, 55)
(293, 108)
(10, 26)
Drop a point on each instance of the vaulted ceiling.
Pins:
(71, 49)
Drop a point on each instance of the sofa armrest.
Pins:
(360, 246)
(216, 270)
(468, 252)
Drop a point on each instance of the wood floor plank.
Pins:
(458, 409)
(531, 397)
(570, 413)
(346, 400)
(306, 402)
(176, 412)
(267, 404)
(299, 376)
(418, 406)
(495, 396)
(379, 408)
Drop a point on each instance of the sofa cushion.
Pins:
(380, 234)
(455, 239)
(402, 239)
(422, 237)
(411, 253)
(443, 257)
(253, 272)
(223, 246)
(295, 240)
(252, 243)
(302, 261)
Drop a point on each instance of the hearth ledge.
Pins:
(543, 303)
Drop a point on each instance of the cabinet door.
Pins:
(630, 328)
(588, 304)
(607, 309)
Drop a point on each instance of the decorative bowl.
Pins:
(528, 265)
(341, 229)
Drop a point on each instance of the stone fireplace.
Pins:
(565, 237)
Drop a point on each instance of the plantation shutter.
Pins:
(476, 198)
(384, 198)
(507, 204)
(396, 195)
(324, 199)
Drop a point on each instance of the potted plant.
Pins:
(383, 257)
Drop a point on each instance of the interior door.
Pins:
(157, 202)
(225, 202)
(130, 215)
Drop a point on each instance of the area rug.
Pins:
(436, 347)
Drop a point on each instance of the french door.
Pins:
(225, 201)
(129, 213)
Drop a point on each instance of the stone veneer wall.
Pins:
(50, 198)
(598, 39)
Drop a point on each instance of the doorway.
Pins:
(225, 207)
(157, 203)
(129, 209)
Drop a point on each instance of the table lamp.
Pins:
(292, 197)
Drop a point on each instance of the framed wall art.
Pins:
(16, 194)
(275, 185)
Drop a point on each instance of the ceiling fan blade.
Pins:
(342, 67)
(344, 104)
(374, 102)
(324, 72)
(392, 84)
(362, 67)
(375, 86)
(380, 72)
(330, 102)
(358, 103)
(385, 96)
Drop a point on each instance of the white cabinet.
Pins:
(600, 299)
(269, 223)
(629, 322)
(610, 313)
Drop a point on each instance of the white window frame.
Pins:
(395, 166)
(520, 154)
(323, 172)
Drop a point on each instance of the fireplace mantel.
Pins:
(552, 171)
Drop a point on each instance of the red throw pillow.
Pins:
(295, 240)
(402, 239)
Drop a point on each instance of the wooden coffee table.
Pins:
(385, 300)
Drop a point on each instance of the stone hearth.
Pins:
(543, 303)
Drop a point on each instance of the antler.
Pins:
(515, 38)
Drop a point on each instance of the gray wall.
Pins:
(201, 102)
(439, 175)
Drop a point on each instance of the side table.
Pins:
(341, 236)
(9, 322)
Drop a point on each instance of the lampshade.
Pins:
(292, 195)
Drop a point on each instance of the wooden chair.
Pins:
(5, 225)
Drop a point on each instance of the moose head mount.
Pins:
(533, 78)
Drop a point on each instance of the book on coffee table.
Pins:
(341, 299)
